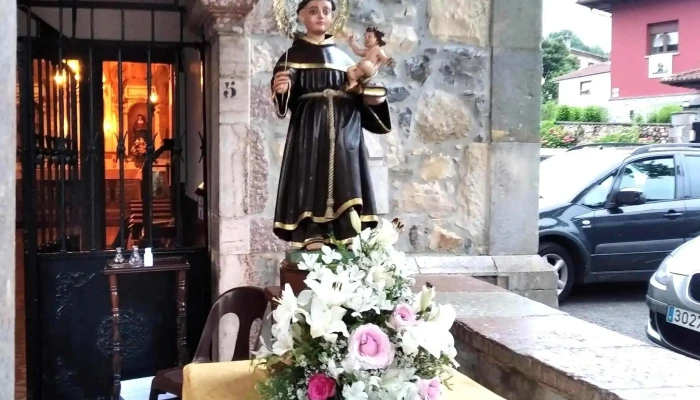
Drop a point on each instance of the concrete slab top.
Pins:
(615, 368)
(551, 331)
(494, 304)
(455, 283)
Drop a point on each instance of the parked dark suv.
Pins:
(614, 212)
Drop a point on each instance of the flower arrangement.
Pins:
(138, 152)
(358, 332)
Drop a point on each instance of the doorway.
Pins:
(106, 131)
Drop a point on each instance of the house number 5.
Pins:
(229, 90)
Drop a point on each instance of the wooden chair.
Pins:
(249, 304)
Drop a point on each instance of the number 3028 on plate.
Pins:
(684, 318)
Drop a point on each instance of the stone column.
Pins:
(237, 163)
(8, 69)
(516, 68)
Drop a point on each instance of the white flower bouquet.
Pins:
(358, 332)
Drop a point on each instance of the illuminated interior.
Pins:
(142, 113)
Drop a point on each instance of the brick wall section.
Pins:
(524, 350)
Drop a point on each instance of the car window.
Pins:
(596, 196)
(693, 164)
(655, 178)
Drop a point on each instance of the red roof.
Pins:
(690, 79)
(595, 69)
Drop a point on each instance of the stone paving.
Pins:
(525, 350)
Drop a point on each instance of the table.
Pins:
(236, 381)
(176, 264)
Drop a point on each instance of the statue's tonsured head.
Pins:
(304, 3)
(316, 15)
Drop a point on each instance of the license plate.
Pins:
(684, 318)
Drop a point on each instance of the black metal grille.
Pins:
(69, 210)
(679, 337)
(68, 200)
(694, 288)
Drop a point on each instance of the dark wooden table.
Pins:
(160, 264)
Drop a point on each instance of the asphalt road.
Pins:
(620, 307)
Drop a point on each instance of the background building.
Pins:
(587, 59)
(588, 86)
(651, 40)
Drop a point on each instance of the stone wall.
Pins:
(439, 96)
(460, 167)
(590, 132)
(431, 170)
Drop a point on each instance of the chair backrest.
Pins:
(249, 304)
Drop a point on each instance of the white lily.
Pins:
(379, 277)
(287, 310)
(283, 344)
(309, 262)
(424, 299)
(264, 351)
(386, 234)
(333, 289)
(443, 316)
(355, 221)
(329, 255)
(326, 321)
(355, 392)
(333, 369)
(363, 300)
(357, 245)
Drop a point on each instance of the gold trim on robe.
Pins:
(338, 67)
(322, 220)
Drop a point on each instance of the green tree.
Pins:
(577, 43)
(556, 61)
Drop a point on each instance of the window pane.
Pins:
(657, 44)
(595, 198)
(693, 164)
(655, 178)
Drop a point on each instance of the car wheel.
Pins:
(559, 258)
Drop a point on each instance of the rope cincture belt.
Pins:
(329, 94)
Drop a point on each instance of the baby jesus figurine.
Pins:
(372, 55)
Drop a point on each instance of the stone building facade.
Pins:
(460, 167)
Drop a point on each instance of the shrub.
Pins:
(548, 111)
(594, 114)
(663, 115)
(575, 114)
(545, 126)
(554, 136)
(638, 119)
(563, 113)
(626, 135)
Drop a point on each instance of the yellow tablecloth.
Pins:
(236, 381)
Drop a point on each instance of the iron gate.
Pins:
(92, 181)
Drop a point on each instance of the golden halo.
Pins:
(283, 9)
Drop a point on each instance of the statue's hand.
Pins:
(373, 100)
(281, 82)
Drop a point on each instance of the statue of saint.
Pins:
(324, 182)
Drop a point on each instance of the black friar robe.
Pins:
(321, 114)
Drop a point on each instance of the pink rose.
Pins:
(429, 389)
(321, 387)
(370, 346)
(402, 317)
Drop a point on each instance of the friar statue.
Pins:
(325, 178)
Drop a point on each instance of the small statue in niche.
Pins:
(373, 57)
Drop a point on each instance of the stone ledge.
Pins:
(527, 275)
(521, 349)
